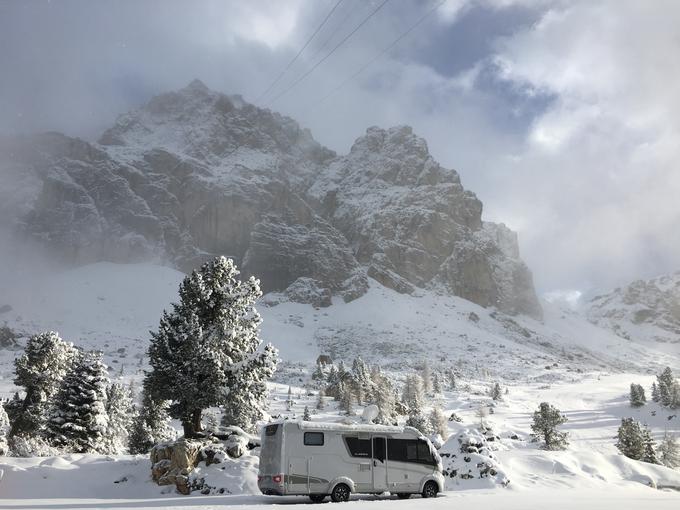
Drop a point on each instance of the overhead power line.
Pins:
(292, 61)
(345, 39)
(384, 51)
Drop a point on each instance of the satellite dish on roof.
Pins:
(370, 413)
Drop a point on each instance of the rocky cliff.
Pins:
(196, 173)
(645, 310)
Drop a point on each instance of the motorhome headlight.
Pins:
(278, 479)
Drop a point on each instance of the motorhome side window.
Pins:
(409, 450)
(313, 439)
(358, 447)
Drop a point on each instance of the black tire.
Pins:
(340, 493)
(403, 495)
(430, 490)
(317, 498)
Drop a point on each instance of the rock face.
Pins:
(195, 173)
(643, 310)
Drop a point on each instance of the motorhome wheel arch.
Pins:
(319, 459)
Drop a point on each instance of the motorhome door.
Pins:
(379, 463)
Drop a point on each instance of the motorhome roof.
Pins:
(351, 427)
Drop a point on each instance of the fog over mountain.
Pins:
(561, 117)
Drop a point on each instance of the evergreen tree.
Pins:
(546, 420)
(665, 382)
(631, 439)
(306, 415)
(151, 425)
(439, 423)
(451, 378)
(436, 384)
(655, 393)
(121, 414)
(4, 430)
(413, 398)
(361, 380)
(675, 395)
(345, 396)
(78, 421)
(496, 393)
(637, 395)
(426, 378)
(320, 404)
(205, 352)
(669, 451)
(385, 399)
(289, 399)
(39, 371)
(649, 454)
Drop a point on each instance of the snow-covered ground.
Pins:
(583, 370)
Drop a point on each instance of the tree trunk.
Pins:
(193, 427)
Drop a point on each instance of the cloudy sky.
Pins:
(563, 116)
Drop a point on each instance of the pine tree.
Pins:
(675, 395)
(78, 421)
(385, 399)
(439, 423)
(637, 395)
(630, 439)
(289, 399)
(436, 384)
(655, 393)
(306, 416)
(451, 378)
(4, 430)
(345, 393)
(320, 404)
(427, 378)
(151, 425)
(413, 398)
(496, 393)
(649, 454)
(669, 451)
(121, 414)
(39, 371)
(205, 352)
(361, 379)
(546, 420)
(665, 382)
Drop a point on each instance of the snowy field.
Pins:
(583, 370)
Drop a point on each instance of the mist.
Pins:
(562, 117)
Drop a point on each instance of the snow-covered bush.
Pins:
(151, 425)
(4, 430)
(31, 446)
(468, 461)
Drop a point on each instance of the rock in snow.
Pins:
(196, 173)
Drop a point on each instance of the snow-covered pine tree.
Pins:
(545, 422)
(413, 399)
(306, 416)
(675, 395)
(436, 384)
(665, 381)
(385, 399)
(438, 422)
(205, 352)
(655, 393)
(630, 439)
(637, 395)
(151, 425)
(121, 414)
(39, 371)
(451, 379)
(78, 421)
(345, 397)
(289, 399)
(426, 378)
(669, 451)
(4, 430)
(496, 393)
(320, 404)
(649, 454)
(361, 378)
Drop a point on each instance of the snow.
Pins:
(111, 307)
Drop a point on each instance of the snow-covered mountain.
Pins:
(196, 173)
(644, 310)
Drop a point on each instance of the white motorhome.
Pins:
(321, 459)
